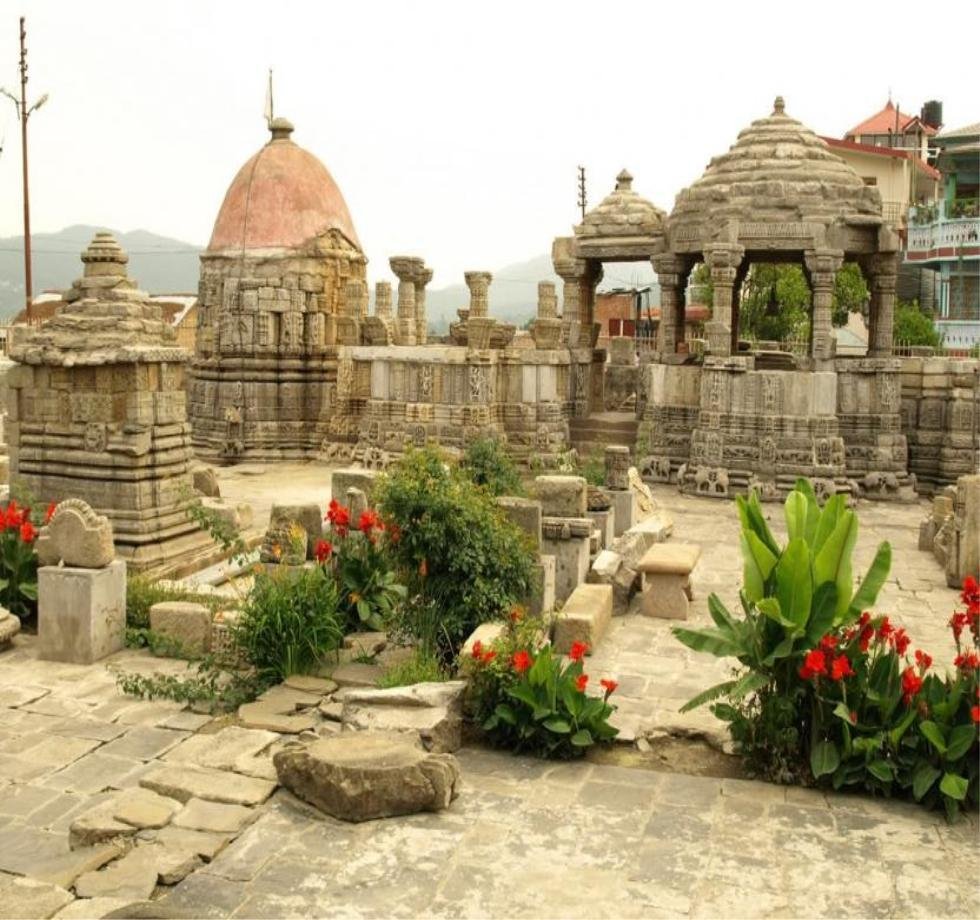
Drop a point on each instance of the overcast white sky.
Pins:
(453, 129)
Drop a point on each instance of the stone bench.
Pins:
(665, 570)
(584, 617)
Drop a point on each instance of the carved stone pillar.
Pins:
(406, 269)
(884, 279)
(723, 260)
(823, 265)
(588, 328)
(421, 320)
(349, 321)
(382, 301)
(479, 285)
(546, 329)
(672, 306)
(572, 273)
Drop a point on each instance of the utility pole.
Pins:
(581, 190)
(23, 113)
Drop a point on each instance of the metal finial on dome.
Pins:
(624, 181)
(778, 107)
(281, 128)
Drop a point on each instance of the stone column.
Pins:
(479, 285)
(884, 279)
(546, 329)
(421, 320)
(672, 306)
(572, 272)
(723, 260)
(406, 268)
(822, 265)
(349, 321)
(382, 300)
(479, 325)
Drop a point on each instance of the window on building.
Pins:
(869, 180)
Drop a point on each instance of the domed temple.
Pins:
(283, 266)
(734, 418)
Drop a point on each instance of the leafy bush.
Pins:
(825, 692)
(290, 621)
(211, 682)
(362, 564)
(526, 698)
(18, 560)
(488, 464)
(463, 561)
(423, 666)
(593, 468)
(914, 326)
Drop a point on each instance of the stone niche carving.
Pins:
(99, 395)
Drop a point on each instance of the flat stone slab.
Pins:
(584, 618)
(133, 877)
(222, 750)
(307, 683)
(356, 674)
(213, 817)
(268, 716)
(93, 908)
(203, 843)
(185, 782)
(122, 815)
(63, 870)
(26, 899)
(670, 559)
(365, 775)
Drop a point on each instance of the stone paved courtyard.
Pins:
(525, 838)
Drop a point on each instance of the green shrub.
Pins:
(526, 698)
(289, 622)
(462, 560)
(914, 326)
(593, 468)
(824, 692)
(423, 666)
(487, 464)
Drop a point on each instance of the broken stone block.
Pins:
(624, 509)
(77, 537)
(644, 497)
(121, 816)
(132, 877)
(222, 750)
(353, 478)
(213, 817)
(81, 612)
(206, 482)
(569, 541)
(542, 600)
(307, 683)
(9, 627)
(584, 618)
(486, 634)
(355, 674)
(94, 908)
(184, 623)
(605, 524)
(366, 643)
(617, 464)
(666, 569)
(608, 569)
(62, 869)
(562, 496)
(308, 515)
(525, 513)
(367, 775)
(270, 717)
(432, 710)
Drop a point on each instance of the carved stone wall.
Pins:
(98, 412)
(940, 418)
(265, 373)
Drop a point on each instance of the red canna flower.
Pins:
(967, 661)
(521, 661)
(322, 550)
(864, 619)
(27, 532)
(864, 640)
(609, 685)
(885, 630)
(814, 664)
(901, 641)
(12, 517)
(975, 714)
(577, 651)
(489, 656)
(339, 517)
(828, 643)
(477, 650)
(911, 685)
(50, 512)
(923, 660)
(368, 521)
(958, 622)
(580, 682)
(853, 716)
(841, 668)
(971, 592)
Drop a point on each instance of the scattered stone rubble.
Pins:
(951, 532)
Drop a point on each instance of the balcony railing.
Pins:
(941, 226)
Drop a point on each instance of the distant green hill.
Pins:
(162, 265)
(159, 264)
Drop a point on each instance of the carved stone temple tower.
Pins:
(275, 280)
(98, 412)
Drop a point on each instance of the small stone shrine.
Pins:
(282, 284)
(98, 412)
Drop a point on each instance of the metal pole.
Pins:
(28, 285)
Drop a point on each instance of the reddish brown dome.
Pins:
(281, 198)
